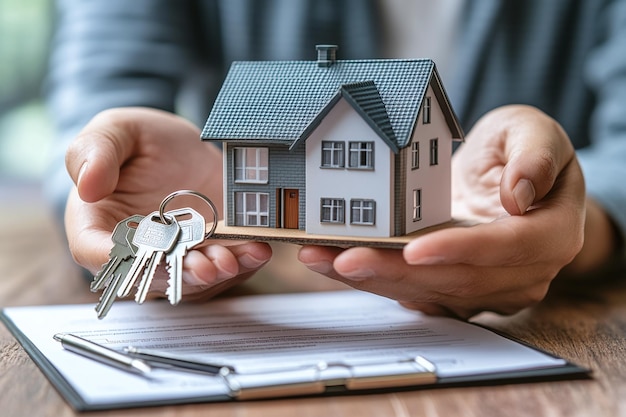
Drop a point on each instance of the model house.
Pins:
(335, 147)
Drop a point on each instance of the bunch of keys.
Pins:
(141, 244)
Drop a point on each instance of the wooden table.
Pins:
(586, 326)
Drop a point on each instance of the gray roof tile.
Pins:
(366, 99)
(277, 100)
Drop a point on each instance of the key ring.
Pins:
(204, 198)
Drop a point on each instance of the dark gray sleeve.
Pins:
(604, 162)
(109, 54)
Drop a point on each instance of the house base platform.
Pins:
(300, 237)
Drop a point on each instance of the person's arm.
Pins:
(602, 242)
(604, 161)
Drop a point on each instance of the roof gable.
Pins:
(276, 101)
(365, 99)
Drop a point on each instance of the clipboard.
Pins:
(380, 371)
(325, 377)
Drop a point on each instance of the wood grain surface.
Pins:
(583, 323)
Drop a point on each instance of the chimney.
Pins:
(326, 55)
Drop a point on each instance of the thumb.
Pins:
(536, 153)
(89, 244)
(93, 159)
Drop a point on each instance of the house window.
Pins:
(251, 209)
(333, 154)
(333, 210)
(363, 212)
(434, 151)
(426, 111)
(361, 155)
(417, 205)
(251, 165)
(415, 155)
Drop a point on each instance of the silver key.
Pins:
(152, 265)
(152, 239)
(192, 232)
(122, 250)
(118, 273)
(108, 296)
(147, 276)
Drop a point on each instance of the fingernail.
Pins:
(223, 272)
(428, 260)
(358, 274)
(82, 170)
(524, 195)
(323, 267)
(192, 279)
(248, 261)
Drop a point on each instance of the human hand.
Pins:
(124, 162)
(518, 175)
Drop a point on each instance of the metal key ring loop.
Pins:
(201, 196)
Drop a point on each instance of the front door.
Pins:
(291, 205)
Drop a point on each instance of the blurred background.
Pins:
(32, 246)
(35, 262)
(25, 128)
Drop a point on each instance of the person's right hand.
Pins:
(124, 162)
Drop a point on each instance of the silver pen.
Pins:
(103, 354)
(165, 360)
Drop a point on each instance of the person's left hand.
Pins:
(517, 174)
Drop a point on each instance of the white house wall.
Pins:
(434, 181)
(343, 123)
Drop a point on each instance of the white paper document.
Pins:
(257, 336)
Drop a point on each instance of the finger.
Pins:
(384, 272)
(509, 241)
(319, 259)
(215, 263)
(209, 265)
(430, 309)
(250, 255)
(456, 290)
(360, 264)
(552, 234)
(536, 151)
(93, 159)
(89, 245)
(203, 293)
(451, 290)
(505, 302)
